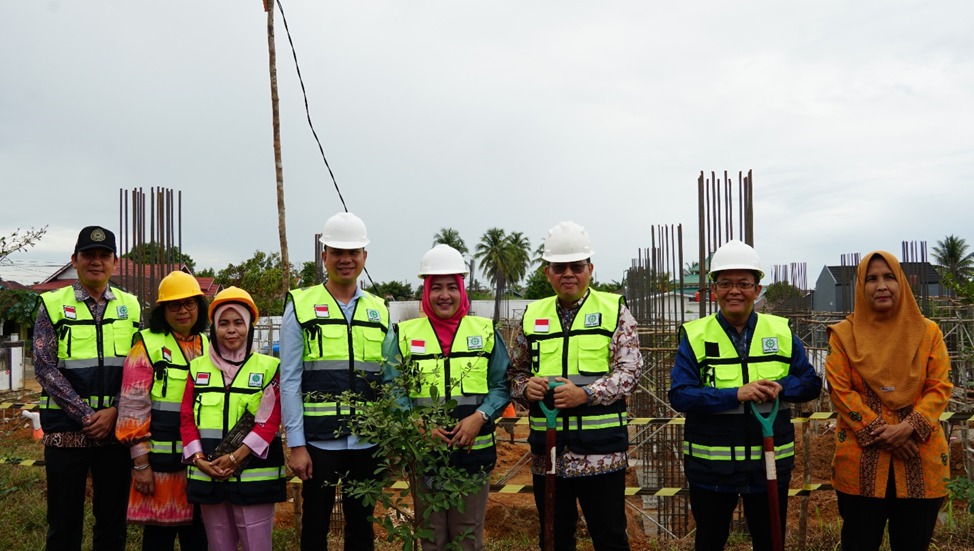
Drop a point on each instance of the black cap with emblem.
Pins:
(95, 237)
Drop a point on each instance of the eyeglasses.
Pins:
(724, 285)
(561, 267)
(177, 305)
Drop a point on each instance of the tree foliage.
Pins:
(504, 259)
(952, 257)
(262, 275)
(397, 290)
(154, 253)
(781, 294)
(537, 286)
(407, 450)
(20, 240)
(451, 237)
(309, 274)
(18, 305)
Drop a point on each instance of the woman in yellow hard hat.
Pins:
(153, 380)
(230, 425)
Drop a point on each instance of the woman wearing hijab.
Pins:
(153, 380)
(888, 375)
(465, 360)
(232, 391)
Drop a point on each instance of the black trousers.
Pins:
(911, 521)
(603, 501)
(713, 511)
(192, 537)
(327, 466)
(67, 475)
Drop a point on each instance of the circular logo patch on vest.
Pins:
(475, 343)
(256, 380)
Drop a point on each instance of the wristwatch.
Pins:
(484, 415)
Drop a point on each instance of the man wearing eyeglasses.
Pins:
(725, 361)
(82, 334)
(585, 341)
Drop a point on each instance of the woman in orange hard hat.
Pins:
(153, 380)
(230, 425)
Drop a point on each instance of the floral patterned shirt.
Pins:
(626, 365)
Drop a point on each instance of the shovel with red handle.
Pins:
(767, 431)
(551, 433)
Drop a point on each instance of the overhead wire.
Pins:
(307, 111)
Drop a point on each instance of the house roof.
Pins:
(128, 275)
(11, 285)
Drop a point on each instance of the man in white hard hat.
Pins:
(586, 341)
(725, 361)
(331, 342)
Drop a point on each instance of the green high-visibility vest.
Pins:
(722, 448)
(462, 375)
(337, 356)
(579, 353)
(170, 369)
(216, 409)
(90, 354)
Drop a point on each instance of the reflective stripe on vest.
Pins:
(319, 409)
(337, 365)
(735, 453)
(263, 474)
(86, 364)
(166, 406)
(96, 402)
(165, 447)
(589, 422)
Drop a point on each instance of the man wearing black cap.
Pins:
(82, 334)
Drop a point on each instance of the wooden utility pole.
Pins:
(278, 163)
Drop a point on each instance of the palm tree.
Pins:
(952, 257)
(451, 237)
(504, 259)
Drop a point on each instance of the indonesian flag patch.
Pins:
(166, 354)
(417, 346)
(70, 312)
(321, 310)
(541, 325)
(202, 379)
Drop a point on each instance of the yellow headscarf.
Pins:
(884, 350)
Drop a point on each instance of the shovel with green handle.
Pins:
(551, 433)
(767, 431)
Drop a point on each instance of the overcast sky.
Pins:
(856, 118)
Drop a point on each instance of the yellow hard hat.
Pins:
(234, 294)
(178, 285)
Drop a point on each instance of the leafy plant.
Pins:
(408, 452)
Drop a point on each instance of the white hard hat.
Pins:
(440, 260)
(735, 255)
(344, 231)
(567, 242)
